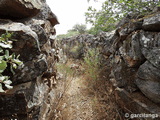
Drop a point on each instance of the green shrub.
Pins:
(64, 69)
(91, 63)
(7, 60)
(70, 33)
(112, 11)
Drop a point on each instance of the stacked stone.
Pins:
(132, 53)
(32, 23)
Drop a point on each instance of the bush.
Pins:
(69, 34)
(7, 60)
(112, 11)
(91, 63)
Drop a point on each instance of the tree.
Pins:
(114, 10)
(76, 29)
(70, 33)
(81, 28)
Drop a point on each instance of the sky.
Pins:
(70, 12)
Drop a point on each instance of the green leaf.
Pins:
(17, 61)
(11, 68)
(14, 65)
(8, 82)
(8, 86)
(1, 50)
(5, 45)
(7, 59)
(3, 35)
(6, 54)
(2, 58)
(2, 78)
(3, 65)
(8, 35)
(121, 1)
(18, 56)
(13, 56)
(1, 89)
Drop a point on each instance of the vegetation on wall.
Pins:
(7, 61)
(91, 63)
(113, 11)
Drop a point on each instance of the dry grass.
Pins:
(104, 102)
(84, 98)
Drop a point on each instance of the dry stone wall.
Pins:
(132, 53)
(32, 96)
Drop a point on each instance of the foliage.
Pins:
(64, 68)
(7, 60)
(76, 30)
(91, 63)
(70, 33)
(114, 10)
(81, 28)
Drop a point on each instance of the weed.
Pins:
(91, 64)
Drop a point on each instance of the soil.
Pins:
(83, 99)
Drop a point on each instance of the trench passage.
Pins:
(80, 99)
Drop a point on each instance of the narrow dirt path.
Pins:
(76, 103)
(79, 101)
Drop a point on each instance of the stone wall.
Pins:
(32, 23)
(132, 53)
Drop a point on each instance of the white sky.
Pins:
(70, 12)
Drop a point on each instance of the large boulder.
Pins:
(18, 9)
(148, 81)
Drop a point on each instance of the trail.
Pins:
(76, 103)
(81, 102)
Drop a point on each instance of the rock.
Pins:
(74, 66)
(153, 56)
(18, 9)
(47, 14)
(33, 96)
(150, 40)
(131, 52)
(27, 98)
(25, 37)
(152, 23)
(129, 27)
(30, 71)
(150, 47)
(136, 103)
(132, 55)
(59, 76)
(41, 34)
(123, 76)
(156, 9)
(148, 81)
(110, 38)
